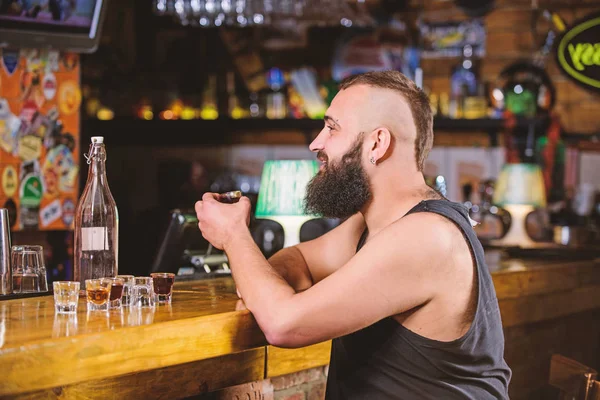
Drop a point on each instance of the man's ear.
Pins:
(381, 144)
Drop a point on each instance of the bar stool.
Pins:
(575, 380)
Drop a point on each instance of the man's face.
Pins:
(341, 188)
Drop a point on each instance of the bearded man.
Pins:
(401, 286)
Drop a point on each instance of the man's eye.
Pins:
(331, 128)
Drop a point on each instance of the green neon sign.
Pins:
(578, 52)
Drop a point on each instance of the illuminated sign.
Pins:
(578, 52)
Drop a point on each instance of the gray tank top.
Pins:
(388, 361)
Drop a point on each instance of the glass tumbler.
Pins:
(97, 293)
(66, 296)
(143, 292)
(26, 264)
(163, 286)
(128, 281)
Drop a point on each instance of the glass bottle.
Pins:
(96, 222)
(276, 101)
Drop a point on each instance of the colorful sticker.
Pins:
(10, 60)
(30, 148)
(9, 181)
(69, 97)
(31, 191)
(50, 182)
(50, 213)
(49, 86)
(31, 86)
(33, 59)
(9, 127)
(11, 206)
(53, 59)
(60, 159)
(69, 61)
(28, 111)
(68, 212)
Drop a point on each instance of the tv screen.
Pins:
(72, 25)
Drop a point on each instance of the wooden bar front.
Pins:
(206, 341)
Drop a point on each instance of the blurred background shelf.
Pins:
(127, 131)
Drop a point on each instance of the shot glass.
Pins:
(97, 294)
(116, 292)
(128, 281)
(143, 292)
(66, 296)
(163, 286)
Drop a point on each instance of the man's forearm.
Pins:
(291, 265)
(263, 289)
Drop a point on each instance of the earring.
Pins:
(372, 160)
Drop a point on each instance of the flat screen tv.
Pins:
(70, 25)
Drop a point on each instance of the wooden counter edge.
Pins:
(69, 360)
(286, 361)
(177, 381)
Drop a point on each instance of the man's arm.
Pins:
(400, 268)
(291, 265)
(307, 263)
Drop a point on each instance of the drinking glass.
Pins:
(66, 296)
(97, 294)
(26, 263)
(143, 292)
(128, 281)
(163, 286)
(116, 292)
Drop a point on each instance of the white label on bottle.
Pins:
(94, 238)
(50, 213)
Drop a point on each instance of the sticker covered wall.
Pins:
(39, 136)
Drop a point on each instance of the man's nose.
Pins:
(318, 143)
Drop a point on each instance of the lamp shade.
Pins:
(520, 184)
(283, 187)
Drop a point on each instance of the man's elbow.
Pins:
(281, 332)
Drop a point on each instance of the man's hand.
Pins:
(220, 222)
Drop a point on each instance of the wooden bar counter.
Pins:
(204, 341)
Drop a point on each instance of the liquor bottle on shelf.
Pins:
(209, 100)
(96, 222)
(233, 102)
(276, 100)
(463, 82)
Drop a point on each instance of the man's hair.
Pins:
(417, 101)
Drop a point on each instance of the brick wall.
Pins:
(304, 385)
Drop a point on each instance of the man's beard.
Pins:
(341, 189)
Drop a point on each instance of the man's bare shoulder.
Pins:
(427, 238)
(428, 225)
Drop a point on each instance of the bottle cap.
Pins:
(97, 139)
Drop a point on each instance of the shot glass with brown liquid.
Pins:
(116, 292)
(163, 286)
(97, 294)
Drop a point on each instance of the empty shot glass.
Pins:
(116, 292)
(66, 296)
(163, 286)
(143, 292)
(128, 281)
(97, 294)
